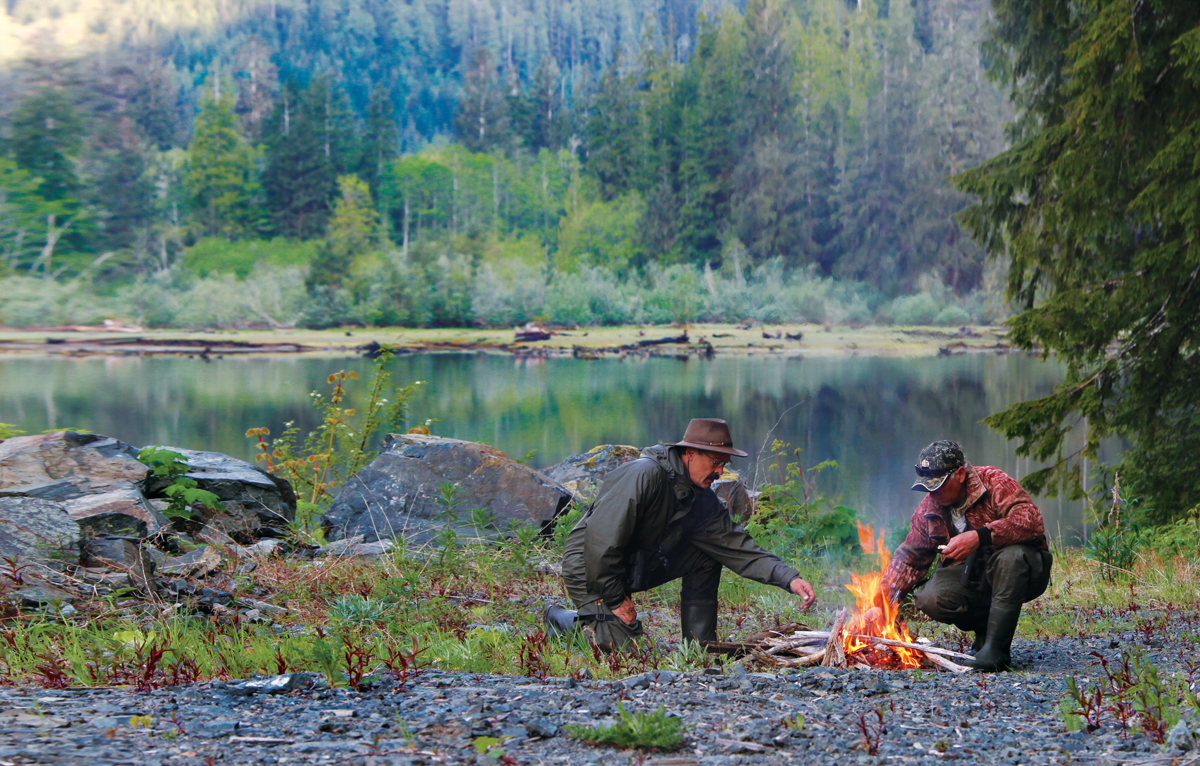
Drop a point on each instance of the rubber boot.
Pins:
(977, 644)
(698, 620)
(559, 622)
(994, 654)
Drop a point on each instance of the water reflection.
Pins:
(871, 414)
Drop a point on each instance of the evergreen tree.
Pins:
(1097, 204)
(220, 177)
(482, 120)
(353, 232)
(612, 134)
(380, 140)
(548, 125)
(46, 135)
(309, 141)
(708, 99)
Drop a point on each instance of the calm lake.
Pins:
(870, 414)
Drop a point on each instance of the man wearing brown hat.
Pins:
(993, 546)
(654, 520)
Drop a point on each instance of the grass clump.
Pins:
(640, 731)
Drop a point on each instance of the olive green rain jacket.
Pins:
(644, 504)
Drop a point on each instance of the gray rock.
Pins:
(255, 503)
(67, 464)
(1180, 738)
(283, 684)
(736, 498)
(397, 494)
(40, 594)
(581, 475)
(34, 530)
(123, 512)
(354, 546)
(122, 555)
(195, 563)
(541, 727)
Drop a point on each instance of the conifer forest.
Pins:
(452, 163)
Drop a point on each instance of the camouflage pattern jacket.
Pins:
(996, 506)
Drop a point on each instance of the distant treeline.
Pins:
(816, 137)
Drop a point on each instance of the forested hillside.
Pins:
(450, 162)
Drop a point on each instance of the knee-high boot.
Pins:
(559, 622)
(698, 620)
(995, 654)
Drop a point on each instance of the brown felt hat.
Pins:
(710, 435)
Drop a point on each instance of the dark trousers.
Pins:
(701, 575)
(1014, 575)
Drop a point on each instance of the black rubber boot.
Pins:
(994, 654)
(977, 644)
(698, 620)
(559, 622)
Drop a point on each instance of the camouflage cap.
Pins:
(935, 463)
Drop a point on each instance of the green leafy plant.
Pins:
(447, 536)
(565, 522)
(643, 731)
(790, 517)
(8, 431)
(182, 492)
(330, 454)
(491, 747)
(357, 609)
(1116, 542)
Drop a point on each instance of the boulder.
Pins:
(255, 503)
(197, 563)
(33, 530)
(123, 512)
(581, 475)
(736, 497)
(66, 464)
(398, 496)
(121, 555)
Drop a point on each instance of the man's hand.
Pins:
(625, 612)
(960, 547)
(803, 590)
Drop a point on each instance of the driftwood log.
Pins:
(835, 654)
(793, 645)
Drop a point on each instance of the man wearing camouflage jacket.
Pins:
(656, 519)
(993, 546)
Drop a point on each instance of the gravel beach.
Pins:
(732, 717)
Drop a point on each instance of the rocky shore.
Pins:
(730, 716)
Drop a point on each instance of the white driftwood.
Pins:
(835, 654)
(953, 667)
(918, 647)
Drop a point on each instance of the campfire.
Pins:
(856, 638)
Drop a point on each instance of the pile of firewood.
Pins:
(795, 645)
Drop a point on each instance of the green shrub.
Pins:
(952, 316)
(30, 302)
(675, 295)
(217, 255)
(182, 492)
(593, 296)
(919, 309)
(507, 295)
(792, 520)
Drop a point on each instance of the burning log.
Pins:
(871, 636)
(835, 649)
(926, 650)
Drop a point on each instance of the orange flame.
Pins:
(868, 594)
